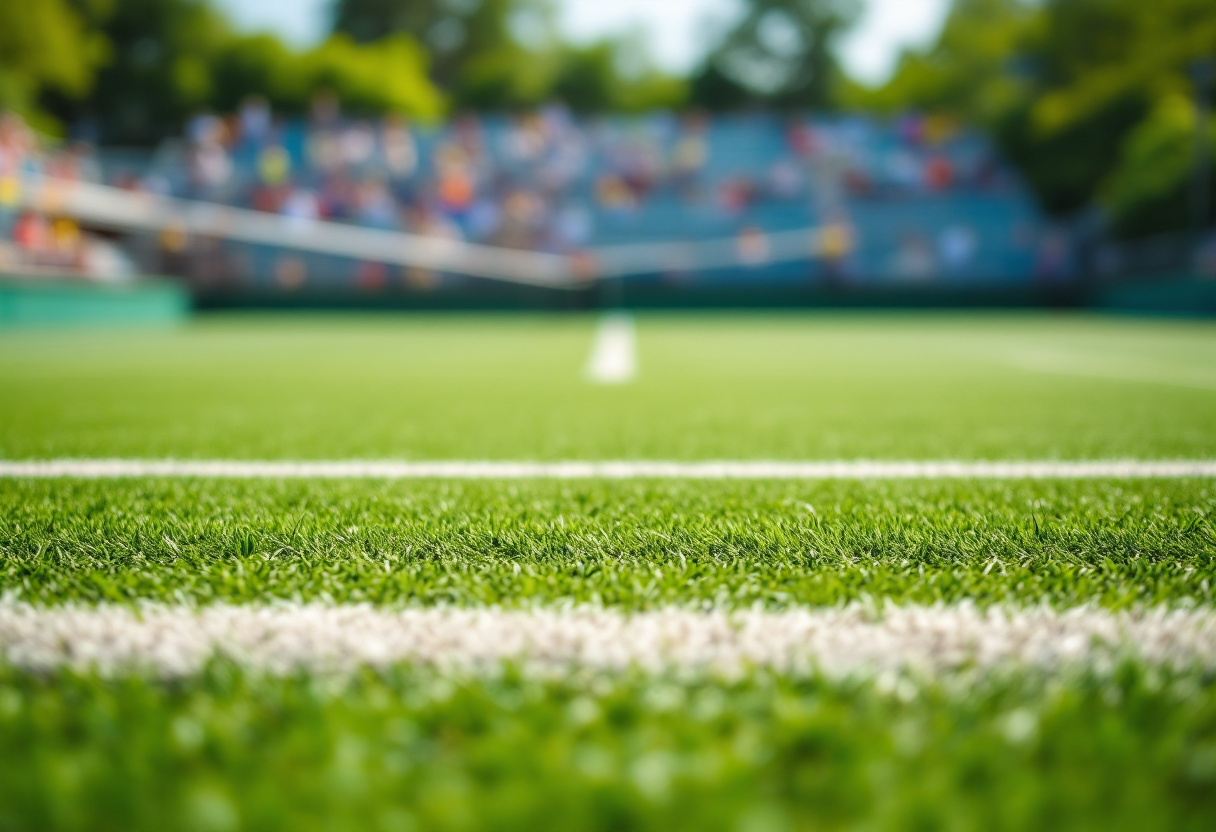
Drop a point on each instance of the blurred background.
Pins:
(158, 156)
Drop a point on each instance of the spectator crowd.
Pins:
(914, 199)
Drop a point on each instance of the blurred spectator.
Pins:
(302, 209)
(903, 170)
(956, 246)
(358, 143)
(914, 260)
(1053, 264)
(572, 227)
(173, 250)
(209, 166)
(254, 121)
(483, 219)
(274, 166)
(399, 149)
(456, 188)
(105, 260)
(801, 140)
(939, 173)
(751, 246)
(10, 197)
(522, 219)
(428, 223)
(736, 194)
(324, 150)
(614, 195)
(690, 154)
(32, 235)
(836, 243)
(374, 206)
(784, 180)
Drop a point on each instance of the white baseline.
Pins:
(171, 641)
(605, 470)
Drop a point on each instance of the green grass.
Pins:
(404, 751)
(787, 387)
(407, 750)
(633, 545)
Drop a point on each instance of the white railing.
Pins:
(123, 210)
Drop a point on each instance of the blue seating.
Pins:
(861, 172)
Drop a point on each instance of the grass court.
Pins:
(403, 745)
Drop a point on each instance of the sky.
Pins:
(674, 28)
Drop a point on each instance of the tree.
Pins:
(165, 59)
(159, 67)
(780, 52)
(974, 70)
(1102, 69)
(45, 46)
(1082, 95)
(1148, 191)
(595, 78)
(387, 76)
(507, 54)
(455, 31)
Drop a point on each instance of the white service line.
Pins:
(608, 470)
(932, 641)
(613, 354)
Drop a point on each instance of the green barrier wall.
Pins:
(52, 302)
(38, 302)
(1166, 295)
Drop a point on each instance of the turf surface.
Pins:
(782, 387)
(633, 545)
(407, 750)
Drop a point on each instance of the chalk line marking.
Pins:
(172, 641)
(604, 470)
(613, 354)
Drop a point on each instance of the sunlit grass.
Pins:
(633, 545)
(409, 750)
(777, 386)
(404, 750)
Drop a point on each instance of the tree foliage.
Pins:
(165, 59)
(45, 46)
(455, 31)
(387, 76)
(159, 69)
(505, 54)
(972, 70)
(1086, 96)
(1148, 190)
(780, 52)
(137, 69)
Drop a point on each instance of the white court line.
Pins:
(171, 641)
(613, 354)
(606, 470)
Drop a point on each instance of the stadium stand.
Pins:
(745, 199)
